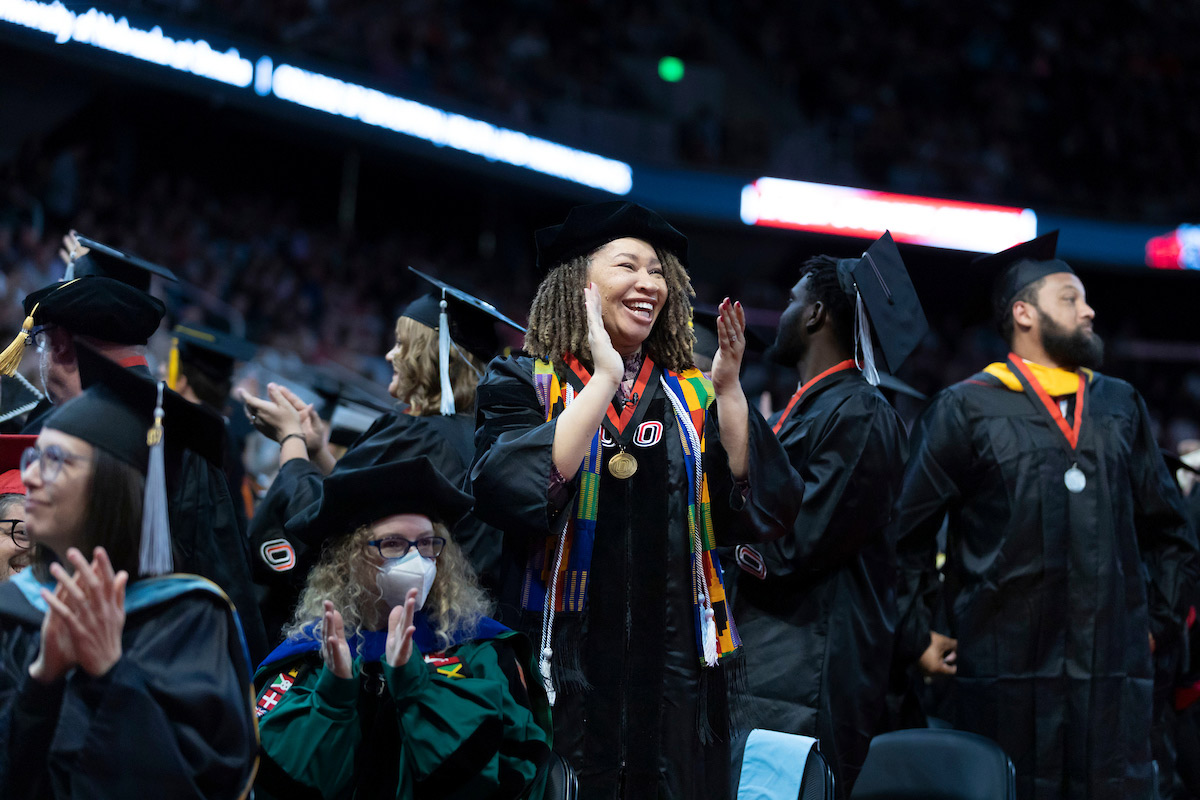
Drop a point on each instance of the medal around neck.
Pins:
(622, 465)
(1075, 480)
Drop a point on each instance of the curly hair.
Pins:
(416, 362)
(558, 321)
(346, 578)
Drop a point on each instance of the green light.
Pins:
(670, 69)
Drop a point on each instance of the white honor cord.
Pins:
(447, 407)
(700, 584)
(862, 338)
(547, 652)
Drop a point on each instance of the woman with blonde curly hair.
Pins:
(602, 458)
(438, 422)
(393, 681)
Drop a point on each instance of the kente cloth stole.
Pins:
(691, 394)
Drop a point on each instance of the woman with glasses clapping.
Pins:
(393, 681)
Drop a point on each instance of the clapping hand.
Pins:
(731, 338)
(335, 651)
(86, 618)
(400, 631)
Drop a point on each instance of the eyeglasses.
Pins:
(398, 547)
(40, 336)
(9, 526)
(51, 460)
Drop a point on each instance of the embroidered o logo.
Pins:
(278, 554)
(605, 439)
(648, 434)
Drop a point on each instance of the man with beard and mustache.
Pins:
(1069, 555)
(816, 608)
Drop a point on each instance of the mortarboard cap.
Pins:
(107, 262)
(472, 321)
(17, 396)
(898, 386)
(595, 224)
(1003, 275)
(880, 282)
(352, 498)
(186, 425)
(459, 317)
(211, 351)
(11, 448)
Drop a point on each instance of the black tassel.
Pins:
(568, 674)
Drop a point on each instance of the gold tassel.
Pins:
(10, 359)
(173, 365)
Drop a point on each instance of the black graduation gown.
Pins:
(818, 628)
(282, 560)
(632, 729)
(1054, 593)
(171, 719)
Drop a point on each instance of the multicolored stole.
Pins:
(559, 570)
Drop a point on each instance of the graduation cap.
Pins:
(187, 425)
(210, 351)
(457, 317)
(590, 226)
(105, 295)
(1006, 273)
(352, 498)
(898, 386)
(886, 303)
(107, 262)
(128, 417)
(11, 448)
(17, 396)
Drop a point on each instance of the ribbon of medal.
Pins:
(622, 465)
(1073, 478)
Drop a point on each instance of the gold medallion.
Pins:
(622, 465)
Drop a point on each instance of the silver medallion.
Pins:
(1075, 480)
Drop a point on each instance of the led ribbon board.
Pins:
(1179, 249)
(846, 211)
(320, 92)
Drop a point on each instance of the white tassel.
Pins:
(710, 637)
(862, 339)
(154, 555)
(444, 360)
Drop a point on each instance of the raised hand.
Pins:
(605, 358)
(399, 645)
(731, 338)
(315, 430)
(274, 416)
(93, 607)
(335, 651)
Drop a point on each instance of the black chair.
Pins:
(561, 782)
(930, 764)
(767, 774)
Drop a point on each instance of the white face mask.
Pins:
(397, 575)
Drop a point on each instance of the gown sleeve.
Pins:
(850, 482)
(764, 508)
(172, 718)
(514, 443)
(466, 737)
(933, 480)
(1165, 536)
(309, 739)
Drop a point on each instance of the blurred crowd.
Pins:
(1010, 103)
(284, 282)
